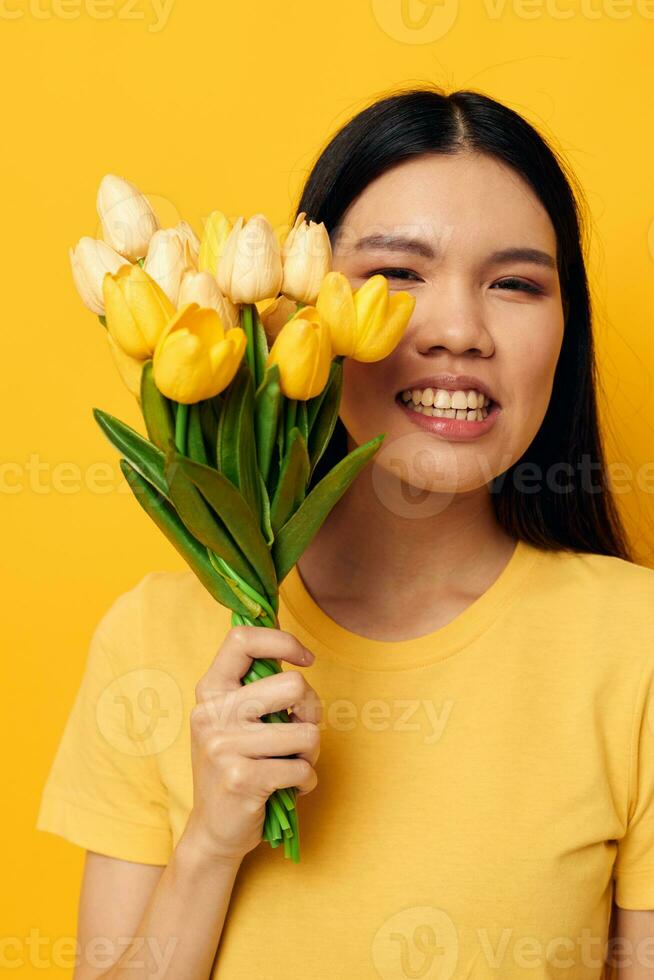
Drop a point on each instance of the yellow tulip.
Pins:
(382, 318)
(303, 352)
(169, 257)
(335, 304)
(276, 314)
(127, 218)
(202, 288)
(216, 232)
(90, 260)
(306, 259)
(250, 268)
(129, 368)
(136, 310)
(366, 324)
(196, 357)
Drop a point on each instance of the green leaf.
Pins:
(188, 547)
(292, 484)
(144, 457)
(325, 419)
(202, 522)
(265, 514)
(297, 533)
(237, 515)
(267, 409)
(236, 452)
(194, 436)
(209, 415)
(157, 410)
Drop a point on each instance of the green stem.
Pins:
(246, 323)
(289, 420)
(181, 422)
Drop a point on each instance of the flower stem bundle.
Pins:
(239, 403)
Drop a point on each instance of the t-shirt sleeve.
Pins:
(634, 866)
(104, 791)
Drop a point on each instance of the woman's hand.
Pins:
(233, 751)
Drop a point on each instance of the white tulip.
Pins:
(202, 288)
(168, 258)
(90, 260)
(128, 220)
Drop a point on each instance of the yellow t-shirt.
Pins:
(479, 787)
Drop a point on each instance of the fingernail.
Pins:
(308, 656)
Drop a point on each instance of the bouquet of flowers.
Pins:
(233, 347)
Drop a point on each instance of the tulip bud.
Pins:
(136, 310)
(90, 260)
(276, 314)
(335, 304)
(128, 220)
(169, 257)
(196, 358)
(381, 319)
(129, 368)
(303, 352)
(202, 288)
(250, 268)
(367, 324)
(216, 232)
(306, 259)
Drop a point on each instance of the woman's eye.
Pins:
(515, 284)
(395, 273)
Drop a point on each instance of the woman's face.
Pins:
(436, 226)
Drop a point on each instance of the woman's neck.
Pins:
(393, 571)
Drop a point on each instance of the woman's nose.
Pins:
(450, 319)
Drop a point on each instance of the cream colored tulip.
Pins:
(127, 218)
(90, 260)
(216, 233)
(169, 257)
(202, 288)
(306, 259)
(129, 368)
(250, 268)
(276, 314)
(196, 358)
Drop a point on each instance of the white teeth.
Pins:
(442, 403)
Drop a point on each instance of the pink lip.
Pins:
(456, 430)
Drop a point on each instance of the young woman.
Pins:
(467, 645)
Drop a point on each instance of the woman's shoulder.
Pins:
(611, 597)
(163, 617)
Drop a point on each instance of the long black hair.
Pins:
(420, 120)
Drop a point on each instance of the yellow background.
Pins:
(212, 105)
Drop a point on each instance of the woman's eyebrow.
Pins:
(418, 246)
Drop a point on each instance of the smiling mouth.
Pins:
(466, 405)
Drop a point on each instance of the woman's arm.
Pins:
(631, 949)
(140, 920)
(170, 922)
